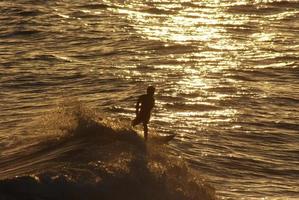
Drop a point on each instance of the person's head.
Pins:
(150, 90)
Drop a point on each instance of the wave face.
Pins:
(87, 156)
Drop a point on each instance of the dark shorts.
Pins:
(141, 119)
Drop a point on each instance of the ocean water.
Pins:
(227, 79)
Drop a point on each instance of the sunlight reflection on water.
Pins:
(225, 72)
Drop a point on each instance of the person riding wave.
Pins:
(144, 106)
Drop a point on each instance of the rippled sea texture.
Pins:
(226, 73)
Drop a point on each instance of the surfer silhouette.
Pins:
(144, 106)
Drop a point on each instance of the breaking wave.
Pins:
(77, 153)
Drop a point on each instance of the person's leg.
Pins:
(136, 121)
(145, 131)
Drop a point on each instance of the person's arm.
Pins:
(152, 104)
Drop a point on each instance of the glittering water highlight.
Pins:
(226, 74)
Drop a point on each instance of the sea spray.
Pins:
(96, 157)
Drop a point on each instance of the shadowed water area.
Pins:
(227, 84)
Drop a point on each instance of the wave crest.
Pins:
(98, 158)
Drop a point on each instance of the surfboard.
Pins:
(155, 137)
(161, 138)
